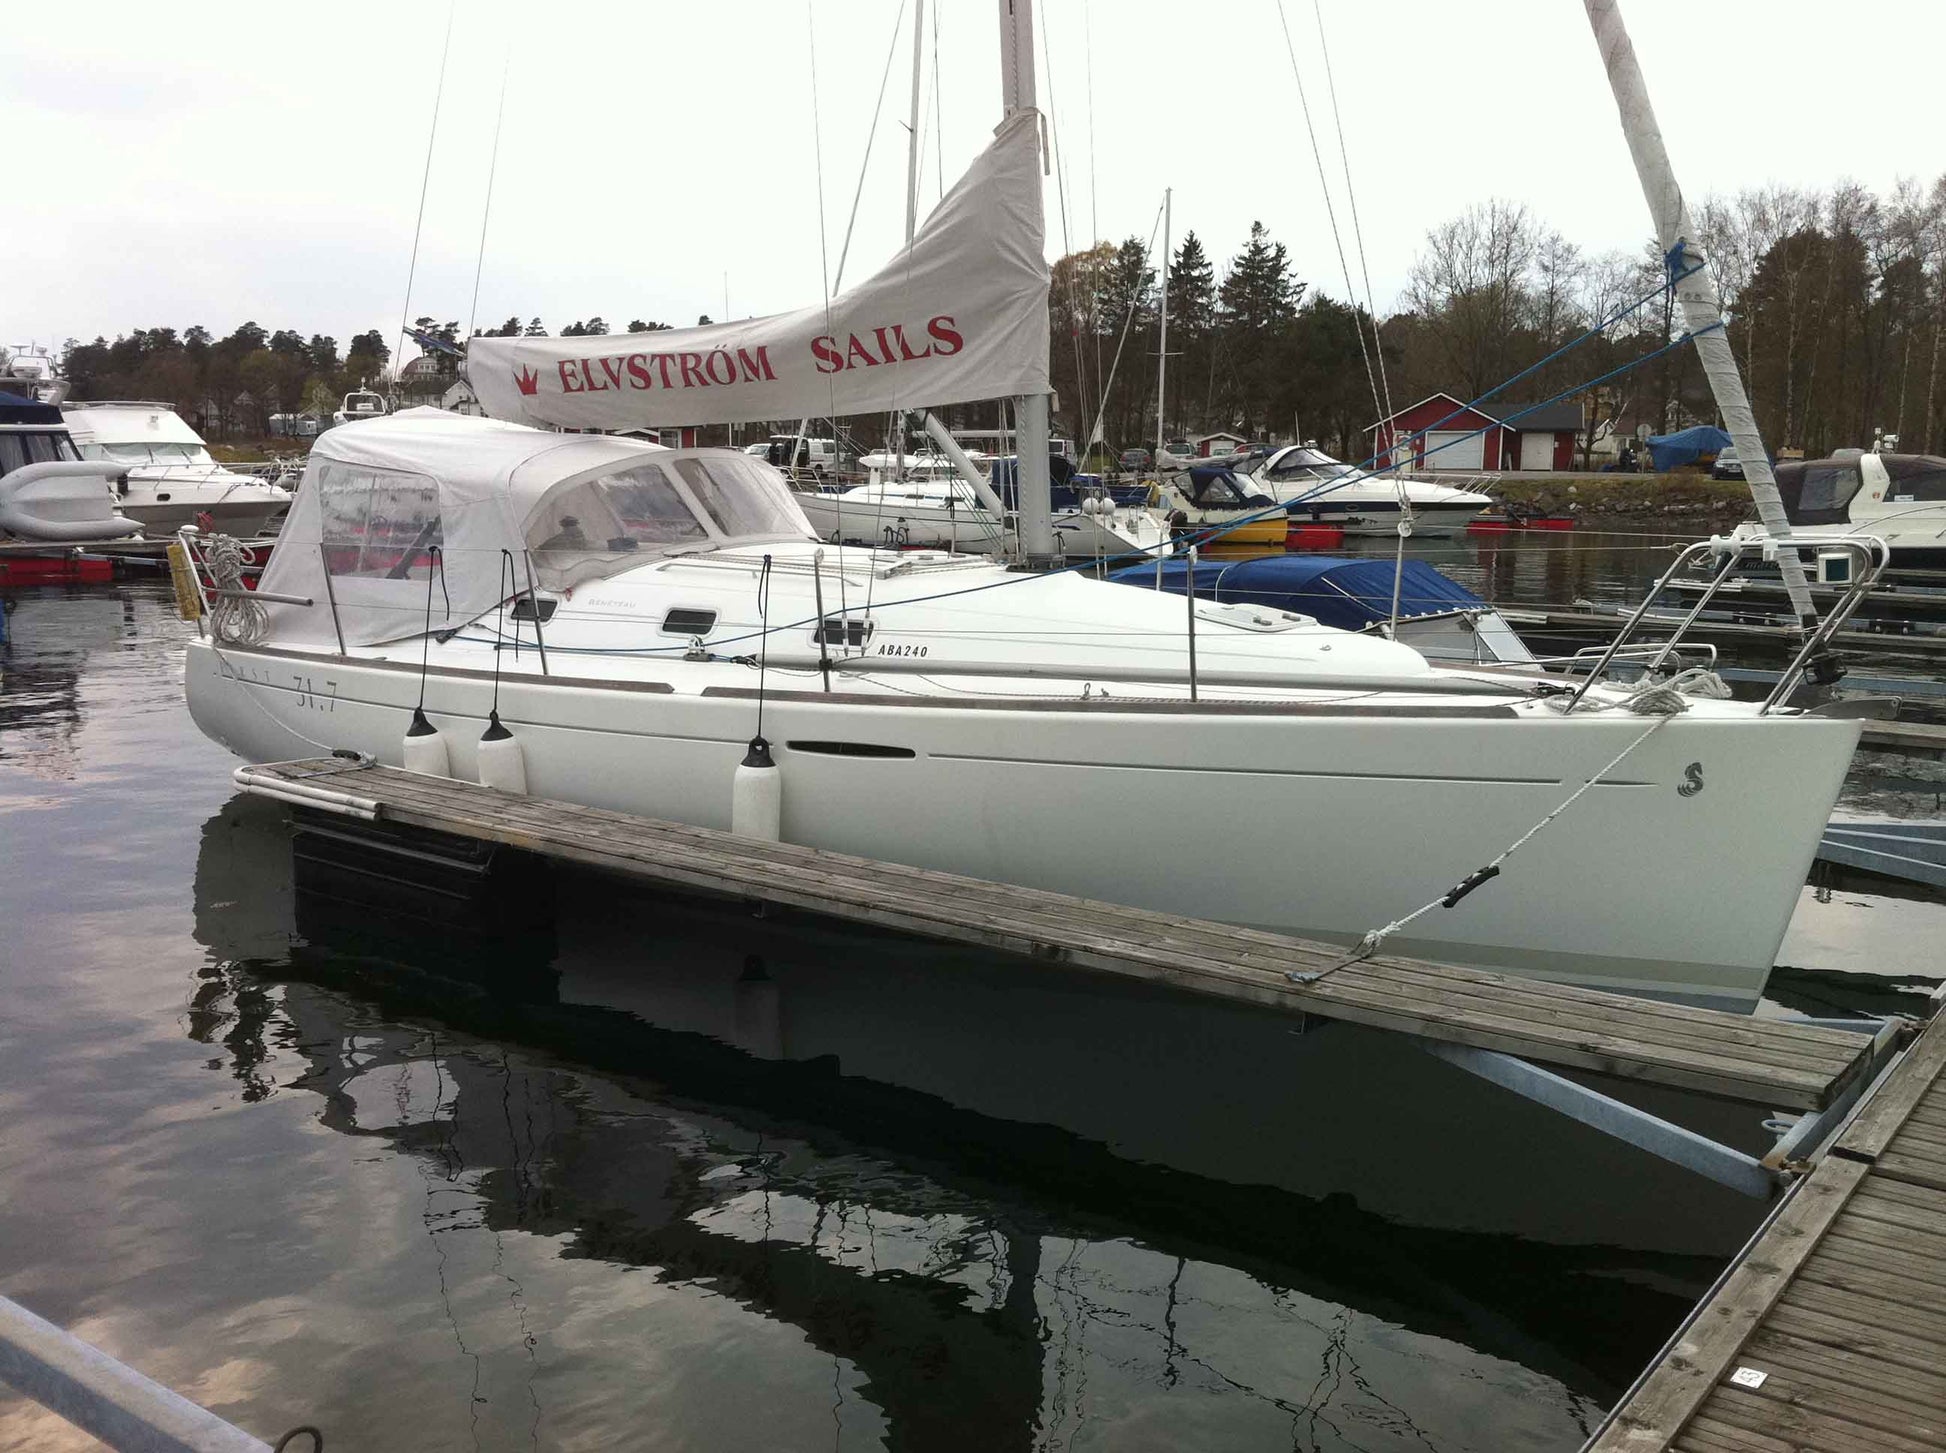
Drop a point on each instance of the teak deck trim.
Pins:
(1838, 1301)
(1760, 1061)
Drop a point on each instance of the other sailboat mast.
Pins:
(1695, 289)
(1162, 341)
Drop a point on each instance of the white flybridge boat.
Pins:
(649, 627)
(171, 479)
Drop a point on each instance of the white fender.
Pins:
(500, 761)
(757, 795)
(425, 748)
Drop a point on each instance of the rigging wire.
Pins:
(870, 136)
(1126, 324)
(425, 181)
(1351, 196)
(1067, 242)
(493, 166)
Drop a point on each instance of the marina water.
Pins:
(562, 1176)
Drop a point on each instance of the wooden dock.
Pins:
(1828, 1332)
(1764, 1062)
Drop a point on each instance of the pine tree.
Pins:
(1257, 307)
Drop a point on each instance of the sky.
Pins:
(203, 163)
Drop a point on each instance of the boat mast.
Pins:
(1030, 410)
(911, 184)
(1162, 344)
(1702, 310)
(912, 127)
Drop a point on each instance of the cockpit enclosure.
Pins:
(1818, 491)
(428, 505)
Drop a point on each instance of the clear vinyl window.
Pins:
(378, 523)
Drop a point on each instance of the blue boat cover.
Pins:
(1686, 446)
(1350, 592)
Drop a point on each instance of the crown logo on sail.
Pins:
(528, 381)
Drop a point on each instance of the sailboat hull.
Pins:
(1306, 821)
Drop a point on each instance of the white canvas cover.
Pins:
(376, 496)
(958, 316)
(496, 500)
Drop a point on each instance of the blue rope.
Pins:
(1594, 332)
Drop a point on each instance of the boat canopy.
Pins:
(378, 496)
(1350, 594)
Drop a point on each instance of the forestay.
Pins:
(960, 315)
(417, 520)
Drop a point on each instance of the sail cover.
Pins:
(958, 316)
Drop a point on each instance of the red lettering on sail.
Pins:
(945, 335)
(568, 383)
(824, 348)
(905, 349)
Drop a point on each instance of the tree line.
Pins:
(1835, 300)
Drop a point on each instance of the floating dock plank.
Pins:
(1915, 851)
(1766, 1062)
(1829, 1330)
(1543, 628)
(1907, 738)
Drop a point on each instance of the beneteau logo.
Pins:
(528, 381)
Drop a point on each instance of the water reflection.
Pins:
(980, 1280)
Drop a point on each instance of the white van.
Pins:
(820, 456)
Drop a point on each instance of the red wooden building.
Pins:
(1502, 437)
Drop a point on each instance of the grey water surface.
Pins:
(597, 1169)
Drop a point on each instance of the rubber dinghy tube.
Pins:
(499, 759)
(425, 748)
(757, 795)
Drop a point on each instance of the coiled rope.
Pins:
(236, 617)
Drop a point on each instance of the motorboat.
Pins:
(170, 478)
(1212, 500)
(1897, 498)
(942, 711)
(1325, 490)
(48, 492)
(361, 404)
(1404, 600)
(942, 511)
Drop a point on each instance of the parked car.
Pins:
(1133, 461)
(1727, 465)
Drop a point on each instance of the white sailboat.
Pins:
(938, 710)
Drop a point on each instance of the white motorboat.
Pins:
(1327, 491)
(170, 479)
(942, 512)
(1897, 498)
(48, 492)
(941, 711)
(359, 405)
